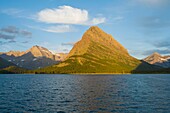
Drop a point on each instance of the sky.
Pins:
(141, 26)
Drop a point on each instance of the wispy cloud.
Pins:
(68, 15)
(18, 13)
(6, 47)
(66, 50)
(154, 22)
(15, 31)
(55, 48)
(164, 43)
(161, 51)
(10, 29)
(55, 28)
(161, 46)
(12, 11)
(60, 29)
(25, 33)
(10, 33)
(6, 37)
(68, 44)
(25, 42)
(118, 18)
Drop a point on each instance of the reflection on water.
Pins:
(85, 93)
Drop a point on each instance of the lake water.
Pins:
(85, 93)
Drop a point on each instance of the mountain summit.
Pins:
(98, 52)
(95, 36)
(153, 58)
(38, 51)
(157, 59)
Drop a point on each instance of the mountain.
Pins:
(157, 59)
(15, 53)
(34, 58)
(38, 51)
(4, 63)
(98, 52)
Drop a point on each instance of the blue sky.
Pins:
(141, 26)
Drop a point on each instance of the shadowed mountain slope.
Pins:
(4, 63)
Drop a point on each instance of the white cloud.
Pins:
(68, 44)
(96, 21)
(60, 29)
(67, 15)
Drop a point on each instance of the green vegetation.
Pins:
(99, 59)
(13, 70)
(89, 64)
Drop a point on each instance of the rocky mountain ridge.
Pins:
(33, 58)
(157, 59)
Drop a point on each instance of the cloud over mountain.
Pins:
(68, 15)
(164, 43)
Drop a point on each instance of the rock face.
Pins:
(38, 51)
(15, 53)
(94, 37)
(98, 52)
(4, 63)
(157, 59)
(34, 58)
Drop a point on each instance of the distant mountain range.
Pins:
(34, 58)
(157, 59)
(96, 52)
(99, 52)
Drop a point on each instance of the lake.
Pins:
(85, 93)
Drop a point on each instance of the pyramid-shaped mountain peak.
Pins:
(38, 51)
(96, 41)
(95, 29)
(94, 33)
(38, 48)
(154, 55)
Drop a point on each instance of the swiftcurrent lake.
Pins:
(62, 93)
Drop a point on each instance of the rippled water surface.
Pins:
(85, 93)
